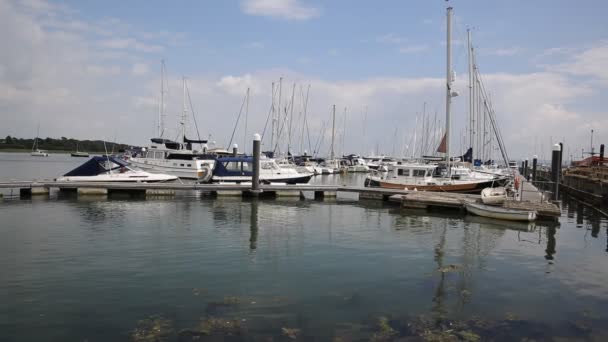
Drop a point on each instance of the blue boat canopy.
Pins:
(96, 165)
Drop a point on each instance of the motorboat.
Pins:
(354, 164)
(501, 213)
(175, 158)
(239, 169)
(328, 167)
(494, 196)
(111, 169)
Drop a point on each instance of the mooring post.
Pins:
(235, 150)
(255, 180)
(555, 169)
(534, 162)
(526, 169)
(561, 157)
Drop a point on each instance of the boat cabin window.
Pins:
(247, 167)
(268, 166)
(419, 173)
(403, 172)
(232, 166)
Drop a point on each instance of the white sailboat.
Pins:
(36, 152)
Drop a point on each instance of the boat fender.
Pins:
(516, 183)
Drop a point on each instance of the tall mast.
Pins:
(272, 118)
(184, 111)
(471, 114)
(161, 105)
(344, 132)
(293, 92)
(246, 116)
(280, 111)
(448, 98)
(333, 128)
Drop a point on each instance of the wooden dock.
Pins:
(406, 198)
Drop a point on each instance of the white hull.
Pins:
(186, 169)
(358, 168)
(128, 177)
(39, 154)
(501, 213)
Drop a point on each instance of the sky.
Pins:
(91, 70)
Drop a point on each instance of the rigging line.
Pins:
(192, 109)
(270, 111)
(237, 122)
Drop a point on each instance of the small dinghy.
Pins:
(500, 212)
(494, 196)
(110, 169)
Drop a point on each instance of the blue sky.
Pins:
(95, 64)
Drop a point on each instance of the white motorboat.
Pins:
(240, 170)
(110, 169)
(494, 196)
(500, 212)
(174, 158)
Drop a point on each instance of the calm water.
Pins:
(229, 268)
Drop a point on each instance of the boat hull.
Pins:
(275, 179)
(472, 187)
(501, 213)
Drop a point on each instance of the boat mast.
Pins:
(471, 114)
(161, 105)
(272, 117)
(184, 111)
(333, 128)
(448, 98)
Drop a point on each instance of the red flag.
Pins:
(442, 147)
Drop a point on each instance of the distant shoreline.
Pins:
(15, 150)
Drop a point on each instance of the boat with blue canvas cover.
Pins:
(240, 170)
(110, 169)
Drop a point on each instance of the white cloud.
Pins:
(501, 52)
(282, 9)
(129, 43)
(101, 70)
(592, 62)
(401, 42)
(139, 69)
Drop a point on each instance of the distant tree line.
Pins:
(62, 144)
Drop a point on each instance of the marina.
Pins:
(299, 176)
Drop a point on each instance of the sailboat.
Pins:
(331, 165)
(36, 152)
(79, 153)
(438, 177)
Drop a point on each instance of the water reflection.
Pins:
(551, 242)
(253, 226)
